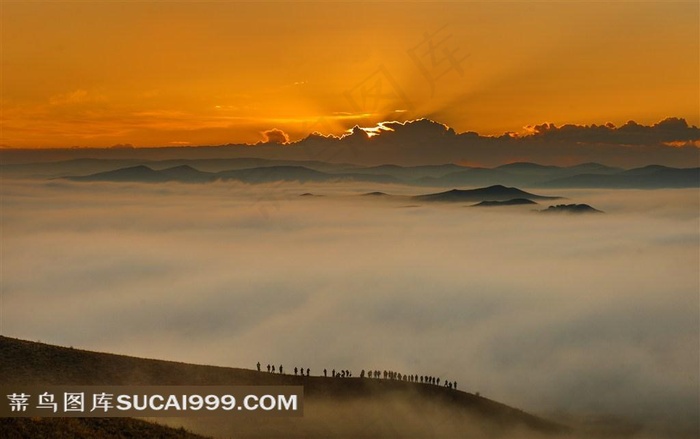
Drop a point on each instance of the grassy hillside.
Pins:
(88, 428)
(333, 407)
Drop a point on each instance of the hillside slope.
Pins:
(333, 407)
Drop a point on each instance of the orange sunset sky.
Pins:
(157, 73)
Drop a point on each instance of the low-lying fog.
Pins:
(548, 313)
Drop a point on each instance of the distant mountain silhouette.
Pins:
(491, 193)
(300, 174)
(648, 177)
(513, 202)
(517, 174)
(144, 174)
(186, 174)
(586, 175)
(274, 173)
(333, 407)
(376, 194)
(527, 167)
(410, 173)
(571, 208)
(267, 174)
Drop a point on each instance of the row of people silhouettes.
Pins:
(301, 371)
(271, 368)
(423, 379)
(387, 375)
(297, 370)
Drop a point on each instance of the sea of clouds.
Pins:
(549, 313)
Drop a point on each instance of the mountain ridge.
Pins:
(531, 175)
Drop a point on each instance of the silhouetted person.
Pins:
(296, 371)
(273, 369)
(333, 373)
(258, 366)
(268, 368)
(325, 373)
(455, 385)
(308, 372)
(362, 374)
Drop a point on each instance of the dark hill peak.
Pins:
(491, 193)
(513, 202)
(138, 169)
(571, 208)
(132, 173)
(526, 166)
(181, 168)
(645, 170)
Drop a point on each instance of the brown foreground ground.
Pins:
(333, 407)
